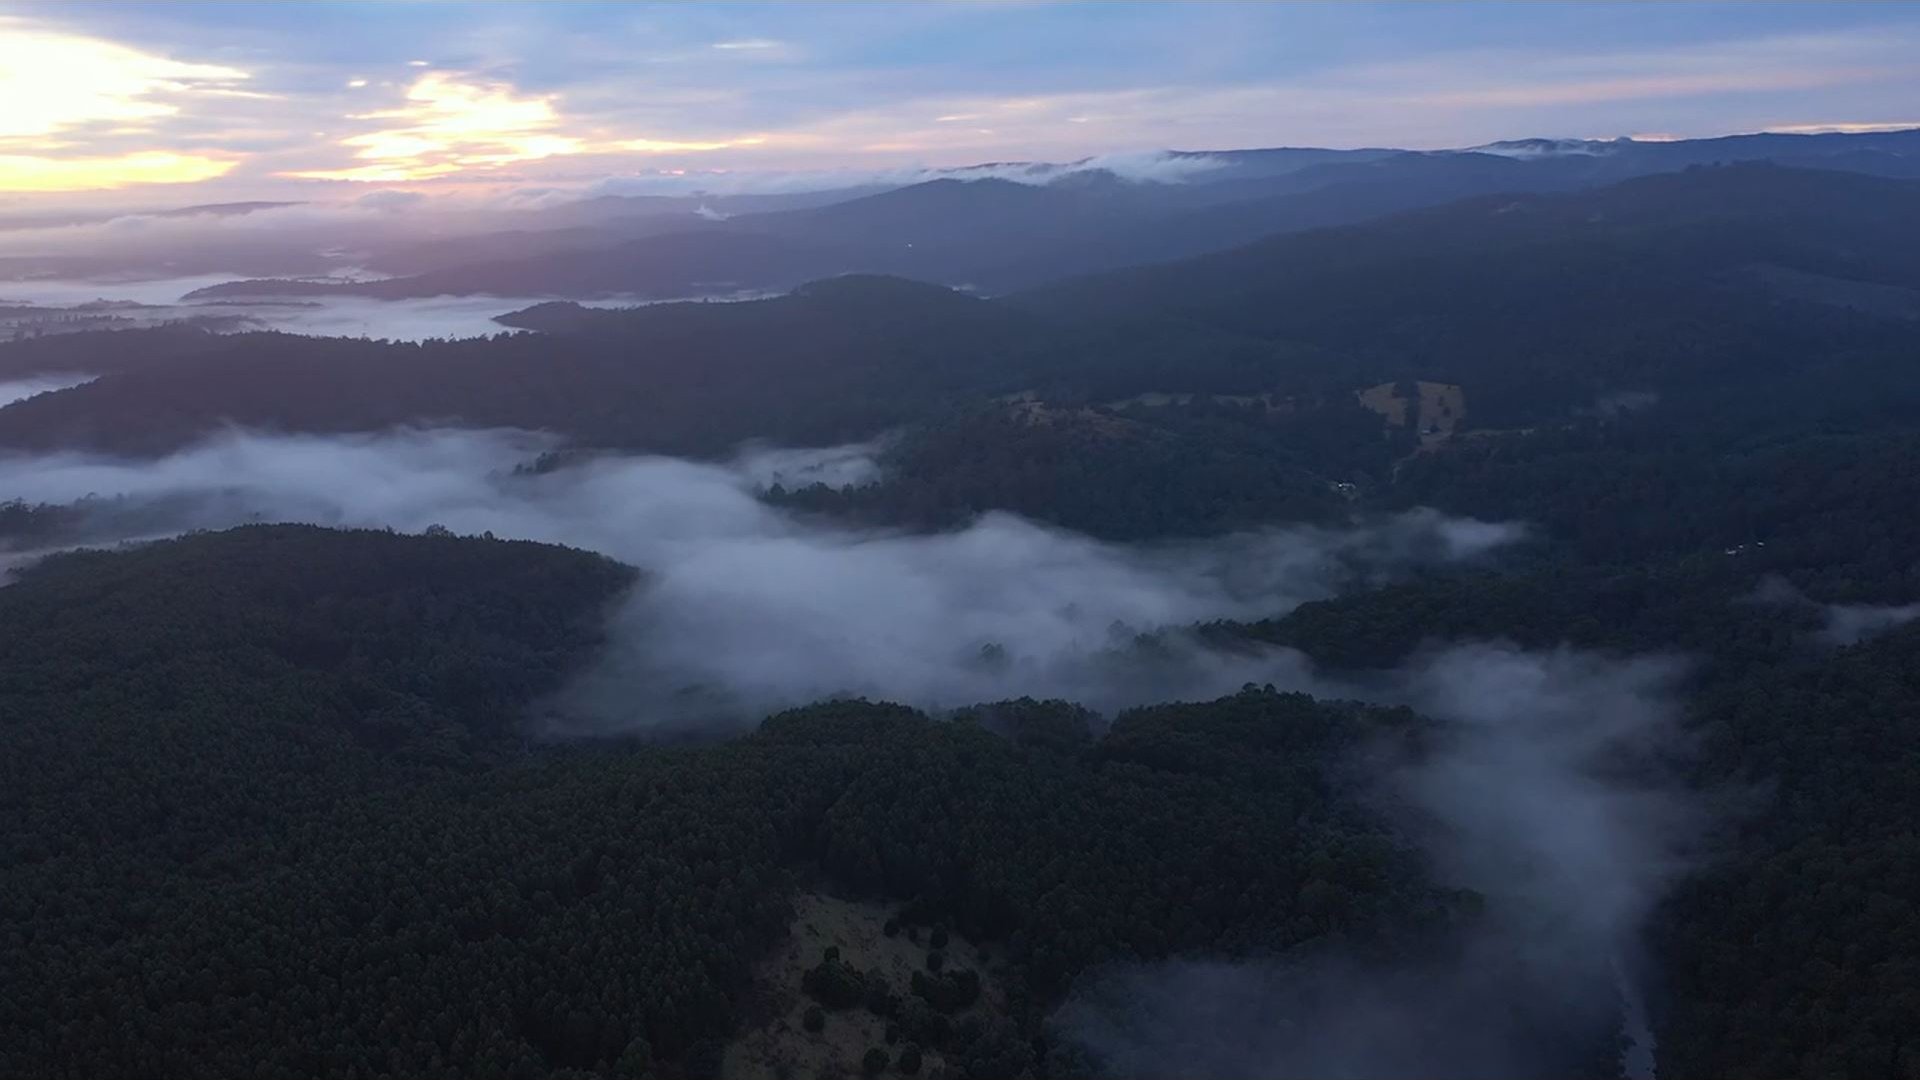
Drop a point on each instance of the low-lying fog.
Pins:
(745, 608)
(1545, 794)
(12, 390)
(748, 608)
(160, 301)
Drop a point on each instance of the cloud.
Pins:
(1532, 79)
(54, 82)
(1155, 166)
(61, 90)
(748, 608)
(669, 146)
(586, 94)
(451, 123)
(1842, 127)
(45, 172)
(1149, 166)
(1543, 790)
(1434, 98)
(455, 124)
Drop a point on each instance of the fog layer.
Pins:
(747, 608)
(332, 316)
(12, 390)
(1533, 792)
(1841, 624)
(1544, 796)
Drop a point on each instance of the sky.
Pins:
(191, 102)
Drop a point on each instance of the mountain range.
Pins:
(1006, 227)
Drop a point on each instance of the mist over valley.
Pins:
(979, 542)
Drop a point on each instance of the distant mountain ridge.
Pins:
(1539, 304)
(1005, 227)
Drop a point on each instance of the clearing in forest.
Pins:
(776, 1045)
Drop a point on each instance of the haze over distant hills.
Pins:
(1538, 304)
(993, 228)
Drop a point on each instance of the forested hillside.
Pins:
(1689, 286)
(832, 362)
(266, 814)
(1540, 305)
(1001, 227)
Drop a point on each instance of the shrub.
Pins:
(834, 985)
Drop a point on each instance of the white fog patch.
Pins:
(1849, 624)
(66, 292)
(1148, 166)
(1527, 807)
(839, 466)
(1840, 624)
(413, 319)
(12, 390)
(360, 316)
(745, 607)
(1543, 793)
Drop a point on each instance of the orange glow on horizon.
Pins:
(39, 173)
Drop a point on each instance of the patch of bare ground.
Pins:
(775, 1043)
(1385, 399)
(1437, 410)
(1034, 413)
(1273, 404)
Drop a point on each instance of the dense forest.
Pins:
(254, 778)
(279, 800)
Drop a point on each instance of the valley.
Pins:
(1346, 612)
